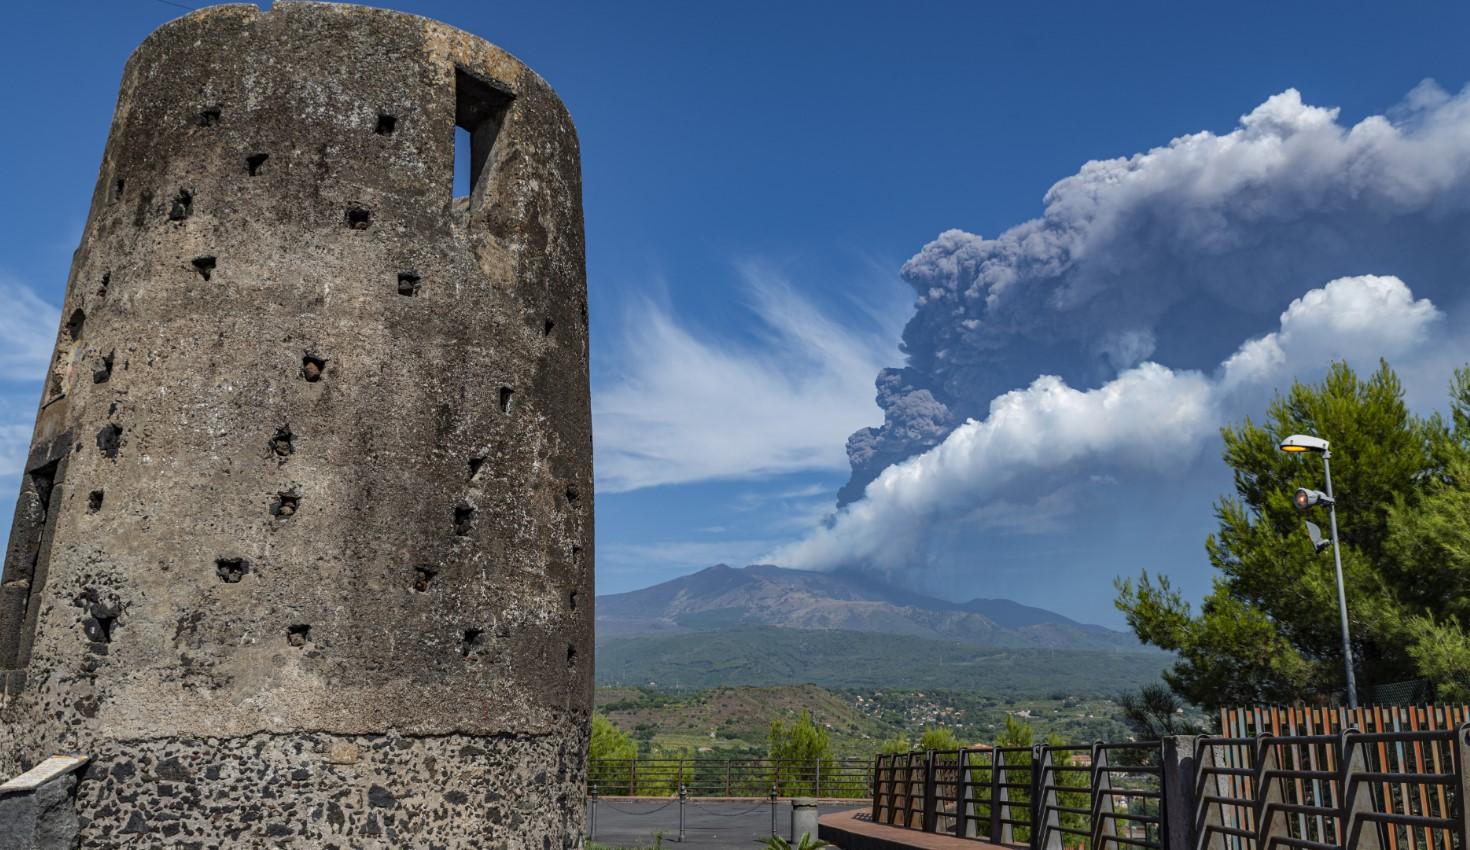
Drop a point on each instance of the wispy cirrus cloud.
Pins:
(687, 404)
(27, 333)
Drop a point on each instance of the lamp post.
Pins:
(1305, 499)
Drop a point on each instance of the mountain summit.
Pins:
(725, 597)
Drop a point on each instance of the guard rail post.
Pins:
(592, 813)
(1177, 783)
(1046, 820)
(877, 784)
(1461, 751)
(1000, 809)
(927, 819)
(1268, 783)
(683, 797)
(1355, 795)
(1034, 804)
(1208, 818)
(964, 797)
(1100, 786)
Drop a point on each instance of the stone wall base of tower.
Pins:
(323, 791)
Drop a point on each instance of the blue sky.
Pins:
(758, 174)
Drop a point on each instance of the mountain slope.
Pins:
(723, 597)
(846, 659)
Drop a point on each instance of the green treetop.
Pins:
(801, 740)
(804, 747)
(938, 738)
(610, 742)
(1269, 629)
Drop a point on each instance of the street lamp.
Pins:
(1305, 500)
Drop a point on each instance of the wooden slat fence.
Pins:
(1409, 751)
(1297, 778)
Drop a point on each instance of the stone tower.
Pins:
(303, 552)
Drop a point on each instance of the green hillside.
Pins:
(733, 721)
(725, 720)
(846, 659)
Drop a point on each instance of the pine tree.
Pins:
(1269, 630)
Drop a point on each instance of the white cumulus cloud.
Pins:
(1175, 254)
(1146, 417)
(1340, 321)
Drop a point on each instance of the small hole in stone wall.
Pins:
(205, 266)
(75, 324)
(231, 570)
(117, 189)
(548, 328)
(103, 372)
(476, 464)
(505, 394)
(408, 283)
(576, 555)
(100, 626)
(386, 124)
(282, 443)
(359, 218)
(571, 656)
(572, 494)
(255, 161)
(109, 439)
(473, 640)
(183, 206)
(285, 505)
(298, 635)
(464, 518)
(144, 208)
(94, 501)
(102, 286)
(572, 600)
(209, 116)
(423, 576)
(312, 367)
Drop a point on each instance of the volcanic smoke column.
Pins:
(303, 551)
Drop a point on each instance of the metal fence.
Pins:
(1398, 790)
(752, 778)
(1368, 790)
(1045, 797)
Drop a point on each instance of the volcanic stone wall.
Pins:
(303, 553)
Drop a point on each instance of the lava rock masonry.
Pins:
(307, 514)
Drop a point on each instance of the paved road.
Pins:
(707, 824)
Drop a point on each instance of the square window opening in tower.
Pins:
(480, 107)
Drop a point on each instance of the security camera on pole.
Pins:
(1305, 500)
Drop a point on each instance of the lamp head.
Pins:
(1305, 499)
(1297, 443)
(1318, 541)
